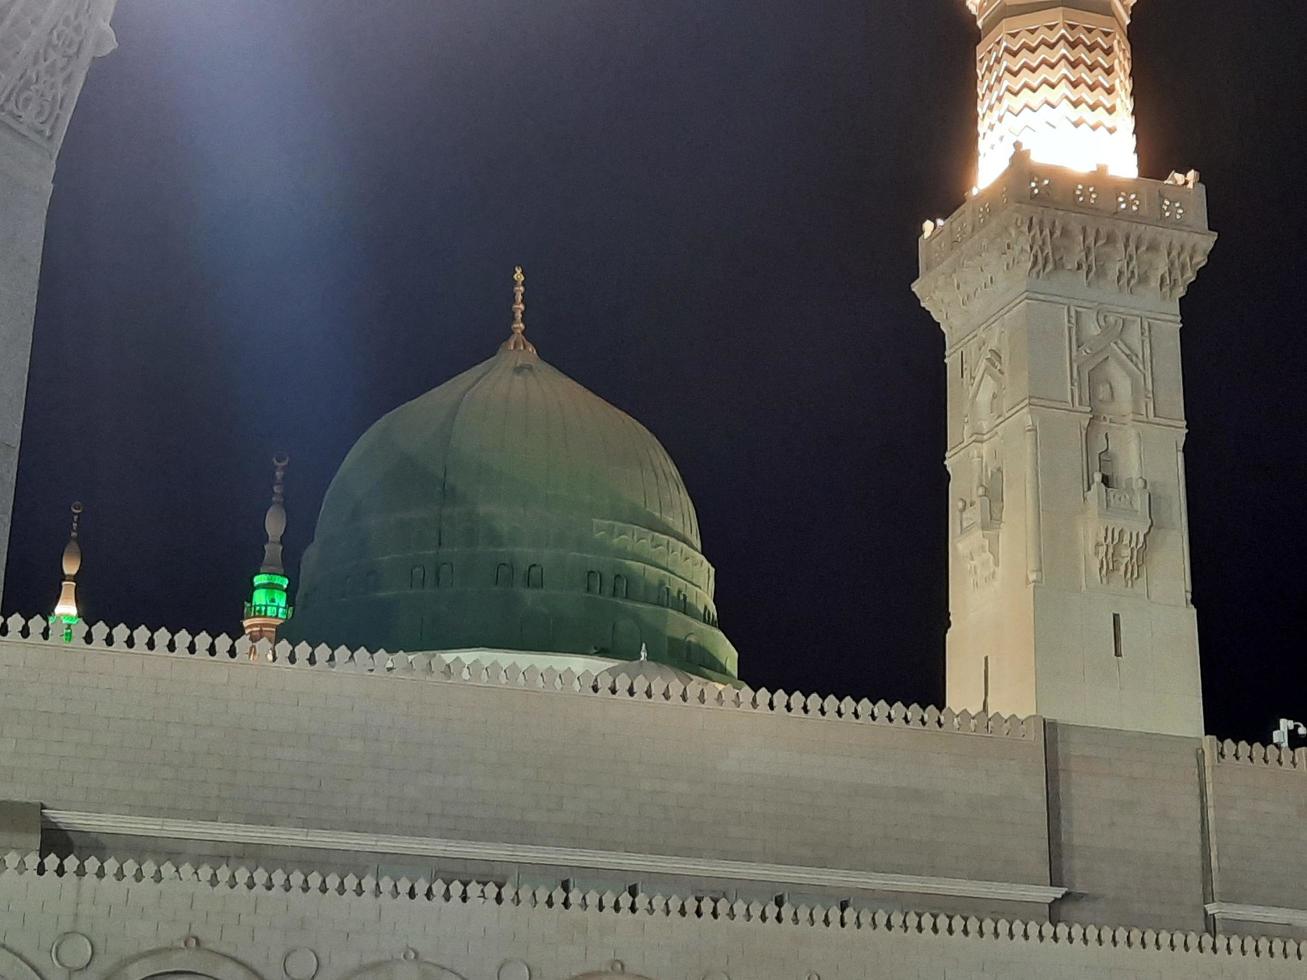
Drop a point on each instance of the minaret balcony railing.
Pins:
(1178, 202)
(268, 610)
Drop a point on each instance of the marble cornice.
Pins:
(565, 857)
(1051, 228)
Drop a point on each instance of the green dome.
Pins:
(511, 508)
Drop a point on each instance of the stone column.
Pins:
(46, 47)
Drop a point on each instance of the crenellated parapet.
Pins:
(1257, 754)
(505, 911)
(622, 681)
(1046, 226)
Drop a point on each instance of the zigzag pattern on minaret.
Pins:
(1058, 79)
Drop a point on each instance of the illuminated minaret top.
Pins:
(1054, 76)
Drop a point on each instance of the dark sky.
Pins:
(275, 221)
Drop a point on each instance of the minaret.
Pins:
(66, 612)
(268, 607)
(1057, 285)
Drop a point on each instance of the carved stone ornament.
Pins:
(977, 540)
(72, 951)
(985, 378)
(1042, 244)
(1117, 522)
(53, 45)
(1126, 237)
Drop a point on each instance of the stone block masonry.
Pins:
(187, 751)
(359, 747)
(134, 919)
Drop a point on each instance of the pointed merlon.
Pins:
(517, 340)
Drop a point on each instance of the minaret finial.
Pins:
(268, 607)
(65, 609)
(517, 340)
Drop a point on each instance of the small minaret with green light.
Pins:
(66, 614)
(268, 607)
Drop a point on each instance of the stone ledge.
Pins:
(840, 917)
(331, 840)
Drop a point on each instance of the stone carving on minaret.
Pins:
(979, 520)
(1046, 224)
(45, 49)
(1057, 285)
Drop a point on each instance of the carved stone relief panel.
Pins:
(1119, 257)
(12, 967)
(1118, 505)
(187, 960)
(409, 967)
(1110, 374)
(984, 379)
(979, 518)
(44, 75)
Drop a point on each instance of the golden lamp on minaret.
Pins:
(1054, 77)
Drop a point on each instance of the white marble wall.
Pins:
(89, 925)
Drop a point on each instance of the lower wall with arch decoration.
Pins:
(61, 918)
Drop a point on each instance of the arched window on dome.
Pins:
(445, 576)
(665, 596)
(504, 575)
(535, 577)
(594, 583)
(417, 577)
(682, 601)
(619, 586)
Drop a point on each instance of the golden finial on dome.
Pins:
(518, 341)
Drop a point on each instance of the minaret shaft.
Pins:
(1058, 291)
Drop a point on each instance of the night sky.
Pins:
(275, 221)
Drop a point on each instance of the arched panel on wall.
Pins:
(12, 967)
(405, 969)
(185, 962)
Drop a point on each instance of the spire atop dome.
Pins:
(517, 340)
(65, 610)
(268, 608)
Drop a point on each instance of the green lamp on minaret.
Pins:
(268, 606)
(66, 613)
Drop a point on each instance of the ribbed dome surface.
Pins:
(512, 508)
